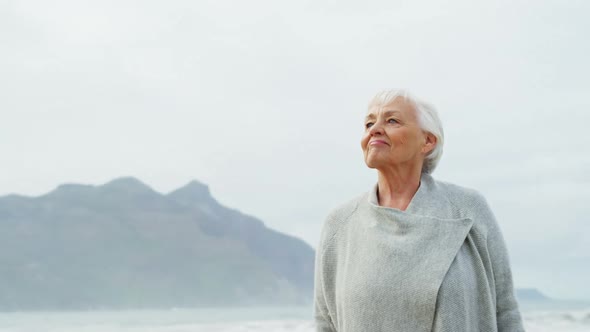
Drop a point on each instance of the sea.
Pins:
(262, 319)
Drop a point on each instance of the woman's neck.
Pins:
(396, 189)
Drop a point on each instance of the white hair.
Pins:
(427, 118)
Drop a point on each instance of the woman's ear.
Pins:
(429, 143)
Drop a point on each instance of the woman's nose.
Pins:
(376, 128)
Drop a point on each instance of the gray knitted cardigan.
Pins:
(440, 265)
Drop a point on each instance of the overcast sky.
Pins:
(263, 101)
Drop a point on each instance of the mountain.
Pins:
(531, 295)
(533, 299)
(124, 245)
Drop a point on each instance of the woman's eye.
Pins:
(392, 121)
(368, 124)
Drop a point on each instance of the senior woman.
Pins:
(414, 253)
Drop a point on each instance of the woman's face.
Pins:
(393, 137)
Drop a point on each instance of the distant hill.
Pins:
(533, 299)
(124, 245)
(531, 294)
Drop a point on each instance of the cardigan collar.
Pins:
(423, 241)
(418, 204)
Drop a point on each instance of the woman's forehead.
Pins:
(398, 106)
(383, 112)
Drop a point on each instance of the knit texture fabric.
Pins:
(441, 265)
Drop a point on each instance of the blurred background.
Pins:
(210, 139)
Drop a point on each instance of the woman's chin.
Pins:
(374, 163)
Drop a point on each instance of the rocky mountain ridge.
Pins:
(124, 245)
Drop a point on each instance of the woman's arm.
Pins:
(321, 314)
(325, 268)
(507, 313)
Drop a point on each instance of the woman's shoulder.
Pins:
(463, 197)
(346, 209)
(469, 203)
(339, 216)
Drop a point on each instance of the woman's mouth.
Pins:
(377, 142)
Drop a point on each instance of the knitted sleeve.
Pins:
(325, 268)
(322, 318)
(323, 275)
(507, 312)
